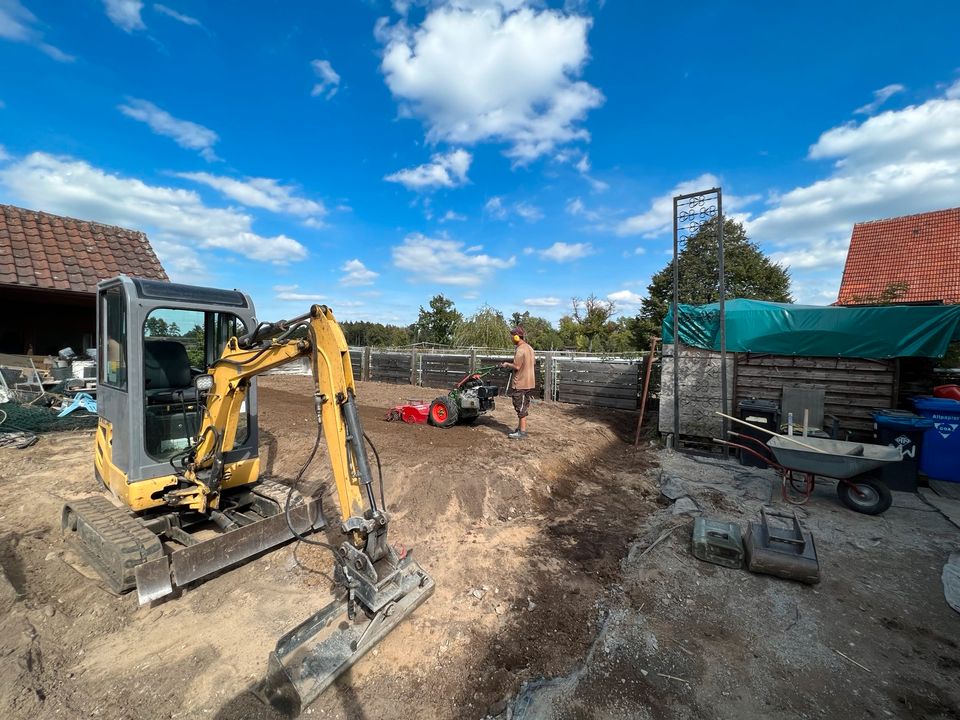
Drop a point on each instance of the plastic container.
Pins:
(904, 431)
(951, 392)
(717, 542)
(940, 457)
(764, 413)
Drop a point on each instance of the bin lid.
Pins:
(901, 420)
(758, 404)
(925, 402)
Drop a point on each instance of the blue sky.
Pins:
(370, 154)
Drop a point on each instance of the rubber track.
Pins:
(120, 541)
(277, 492)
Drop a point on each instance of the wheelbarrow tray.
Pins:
(840, 459)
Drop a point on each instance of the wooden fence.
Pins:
(576, 378)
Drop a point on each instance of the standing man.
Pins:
(524, 381)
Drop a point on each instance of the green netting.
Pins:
(854, 332)
(32, 418)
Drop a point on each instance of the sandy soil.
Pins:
(520, 538)
(546, 604)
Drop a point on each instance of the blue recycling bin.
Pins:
(940, 457)
(904, 431)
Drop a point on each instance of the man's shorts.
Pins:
(521, 401)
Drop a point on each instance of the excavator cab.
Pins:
(155, 339)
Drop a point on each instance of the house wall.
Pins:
(45, 321)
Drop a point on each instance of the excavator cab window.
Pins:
(113, 353)
(178, 345)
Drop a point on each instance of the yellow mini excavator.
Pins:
(177, 448)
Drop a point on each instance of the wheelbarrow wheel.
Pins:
(865, 494)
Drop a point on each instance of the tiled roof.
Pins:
(59, 253)
(921, 251)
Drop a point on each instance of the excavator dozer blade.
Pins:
(309, 658)
(159, 577)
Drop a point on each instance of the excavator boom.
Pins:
(378, 588)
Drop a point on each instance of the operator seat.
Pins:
(167, 376)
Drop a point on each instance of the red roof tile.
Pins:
(49, 251)
(920, 251)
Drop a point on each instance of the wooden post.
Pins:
(365, 364)
(413, 367)
(473, 360)
(646, 386)
(549, 386)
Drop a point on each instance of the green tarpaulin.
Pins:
(782, 329)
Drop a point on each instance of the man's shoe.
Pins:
(517, 435)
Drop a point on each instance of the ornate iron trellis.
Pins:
(691, 212)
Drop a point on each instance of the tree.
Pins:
(591, 316)
(157, 327)
(437, 324)
(538, 331)
(485, 328)
(748, 274)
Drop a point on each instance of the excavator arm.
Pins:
(377, 587)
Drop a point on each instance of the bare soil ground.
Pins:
(521, 539)
(542, 589)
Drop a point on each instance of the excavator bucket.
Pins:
(309, 658)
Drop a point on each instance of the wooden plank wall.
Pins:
(390, 367)
(356, 362)
(699, 391)
(442, 371)
(606, 383)
(853, 387)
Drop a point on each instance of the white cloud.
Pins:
(577, 208)
(492, 71)
(640, 250)
(659, 218)
(176, 220)
(625, 298)
(818, 254)
(179, 17)
(444, 170)
(4, 155)
(528, 212)
(186, 134)
(494, 207)
(445, 262)
(18, 24)
(567, 252)
(356, 273)
(879, 98)
(451, 216)
(528, 251)
(542, 302)
(329, 79)
(288, 293)
(125, 14)
(896, 163)
(264, 193)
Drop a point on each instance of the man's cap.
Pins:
(517, 331)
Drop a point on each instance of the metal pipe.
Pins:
(351, 418)
(676, 327)
(723, 315)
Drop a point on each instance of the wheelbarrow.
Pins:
(800, 462)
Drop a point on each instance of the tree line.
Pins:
(590, 325)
